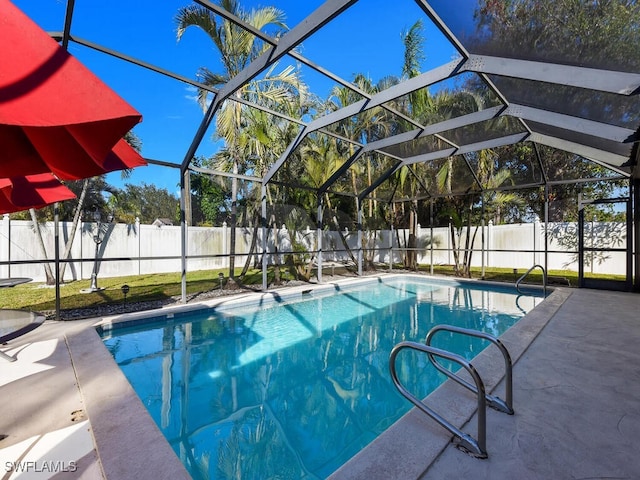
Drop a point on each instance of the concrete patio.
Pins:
(66, 406)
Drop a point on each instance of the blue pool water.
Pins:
(293, 389)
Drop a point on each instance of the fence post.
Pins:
(360, 258)
(484, 249)
(5, 244)
(139, 234)
(417, 252)
(489, 246)
(449, 242)
(81, 224)
(391, 248)
(431, 237)
(225, 247)
(536, 229)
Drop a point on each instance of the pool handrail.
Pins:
(544, 278)
(495, 402)
(475, 447)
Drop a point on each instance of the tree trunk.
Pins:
(454, 248)
(252, 248)
(412, 255)
(405, 242)
(76, 218)
(51, 280)
(471, 253)
(334, 219)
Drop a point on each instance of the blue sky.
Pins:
(366, 39)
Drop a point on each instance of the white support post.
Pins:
(360, 257)
(489, 238)
(536, 229)
(319, 240)
(139, 234)
(263, 226)
(449, 242)
(482, 240)
(225, 245)
(417, 251)
(5, 246)
(391, 248)
(431, 237)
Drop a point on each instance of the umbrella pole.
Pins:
(56, 247)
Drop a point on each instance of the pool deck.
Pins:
(576, 397)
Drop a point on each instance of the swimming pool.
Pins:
(295, 387)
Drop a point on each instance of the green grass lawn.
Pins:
(143, 288)
(509, 275)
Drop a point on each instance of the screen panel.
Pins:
(587, 34)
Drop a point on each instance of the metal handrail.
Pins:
(505, 406)
(544, 278)
(475, 447)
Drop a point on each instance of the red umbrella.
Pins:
(55, 115)
(32, 191)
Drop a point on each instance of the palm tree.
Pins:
(426, 109)
(237, 49)
(420, 107)
(322, 157)
(367, 126)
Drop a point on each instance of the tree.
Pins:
(600, 33)
(145, 202)
(237, 49)
(367, 126)
(210, 202)
(418, 105)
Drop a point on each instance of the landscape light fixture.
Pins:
(125, 290)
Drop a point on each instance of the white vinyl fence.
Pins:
(144, 249)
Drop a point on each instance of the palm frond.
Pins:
(196, 16)
(413, 53)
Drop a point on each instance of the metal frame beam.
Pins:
(442, 26)
(601, 157)
(472, 147)
(451, 124)
(390, 171)
(622, 83)
(320, 17)
(416, 83)
(67, 24)
(176, 76)
(568, 122)
(276, 166)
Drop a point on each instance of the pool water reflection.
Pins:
(295, 389)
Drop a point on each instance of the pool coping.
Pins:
(405, 450)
